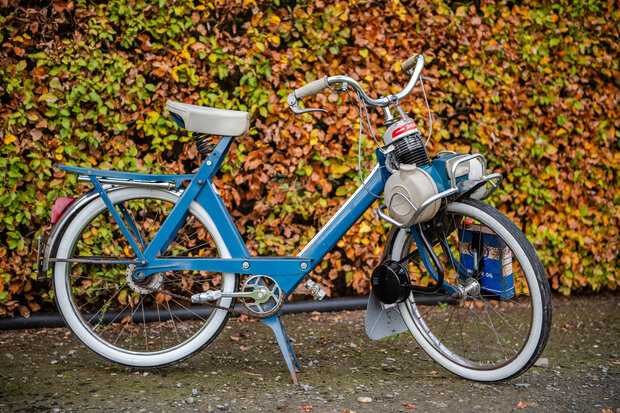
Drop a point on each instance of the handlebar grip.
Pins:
(312, 88)
(410, 63)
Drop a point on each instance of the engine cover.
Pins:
(406, 190)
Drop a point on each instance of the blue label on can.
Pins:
(482, 250)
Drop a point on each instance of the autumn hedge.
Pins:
(533, 86)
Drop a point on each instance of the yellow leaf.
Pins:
(471, 85)
(122, 297)
(275, 39)
(364, 227)
(340, 170)
(9, 139)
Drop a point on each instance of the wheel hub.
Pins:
(141, 283)
(470, 289)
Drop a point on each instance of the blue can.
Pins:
(481, 248)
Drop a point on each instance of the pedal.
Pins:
(315, 289)
(206, 297)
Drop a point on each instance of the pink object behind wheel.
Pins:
(60, 206)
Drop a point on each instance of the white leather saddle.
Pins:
(221, 122)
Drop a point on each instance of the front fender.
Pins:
(389, 244)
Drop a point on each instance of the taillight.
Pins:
(60, 206)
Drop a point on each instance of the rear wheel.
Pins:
(500, 327)
(140, 324)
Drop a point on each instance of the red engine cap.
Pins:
(405, 130)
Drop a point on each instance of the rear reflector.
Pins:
(60, 206)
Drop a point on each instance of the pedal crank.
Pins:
(261, 295)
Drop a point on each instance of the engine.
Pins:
(408, 143)
(410, 185)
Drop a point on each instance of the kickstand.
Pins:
(276, 325)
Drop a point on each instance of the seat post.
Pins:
(217, 155)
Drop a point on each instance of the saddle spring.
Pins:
(204, 141)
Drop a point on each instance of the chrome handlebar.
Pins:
(384, 100)
(321, 84)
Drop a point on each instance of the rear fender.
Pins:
(51, 245)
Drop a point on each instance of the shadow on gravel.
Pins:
(342, 370)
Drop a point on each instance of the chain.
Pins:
(228, 309)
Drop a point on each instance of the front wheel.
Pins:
(138, 324)
(499, 328)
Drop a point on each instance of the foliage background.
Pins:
(533, 86)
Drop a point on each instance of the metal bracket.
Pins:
(293, 103)
(41, 255)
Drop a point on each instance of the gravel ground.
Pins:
(342, 370)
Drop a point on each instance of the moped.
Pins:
(147, 269)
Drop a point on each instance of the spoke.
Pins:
(196, 277)
(430, 308)
(93, 278)
(146, 341)
(181, 287)
(121, 326)
(179, 232)
(159, 319)
(103, 306)
(458, 316)
(447, 325)
(97, 285)
(176, 330)
(140, 234)
(502, 314)
(97, 237)
(89, 247)
(90, 290)
(477, 338)
(188, 309)
(482, 321)
(154, 221)
(107, 228)
(189, 249)
(495, 332)
(131, 321)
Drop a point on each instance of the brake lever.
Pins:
(293, 103)
(428, 79)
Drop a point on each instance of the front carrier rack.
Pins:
(463, 186)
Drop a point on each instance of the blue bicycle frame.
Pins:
(288, 272)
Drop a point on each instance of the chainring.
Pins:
(268, 296)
